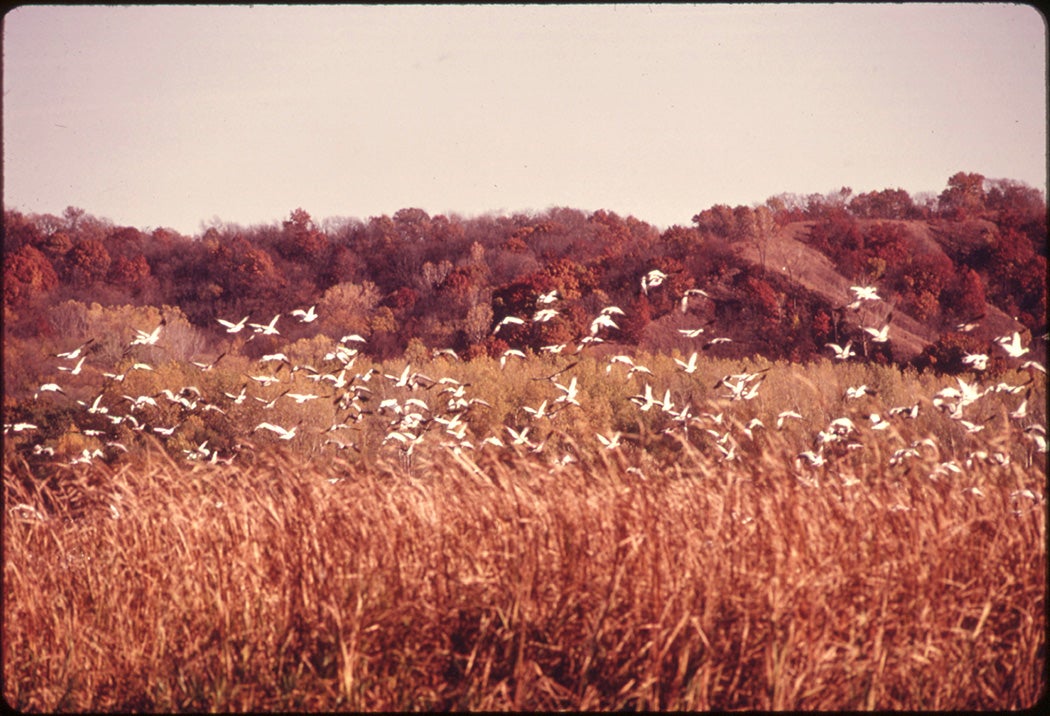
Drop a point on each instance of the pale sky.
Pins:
(172, 116)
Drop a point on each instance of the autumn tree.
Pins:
(763, 228)
(391, 261)
(124, 241)
(887, 241)
(412, 224)
(760, 301)
(1017, 276)
(345, 309)
(517, 298)
(72, 216)
(719, 220)
(570, 278)
(344, 265)
(91, 228)
(884, 204)
(56, 245)
(964, 197)
(839, 236)
(680, 241)
(48, 224)
(446, 231)
(476, 323)
(228, 275)
(638, 315)
(921, 281)
(946, 354)
(301, 240)
(87, 262)
(787, 208)
(130, 274)
(19, 230)
(27, 275)
(965, 296)
(820, 205)
(1021, 207)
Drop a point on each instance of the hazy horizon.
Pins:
(176, 116)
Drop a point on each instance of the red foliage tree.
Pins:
(821, 327)
(403, 300)
(921, 281)
(570, 278)
(130, 274)
(966, 297)
(124, 241)
(719, 220)
(56, 245)
(760, 300)
(680, 242)
(1009, 254)
(964, 198)
(27, 274)
(885, 204)
(888, 242)
(301, 240)
(243, 271)
(19, 230)
(1021, 207)
(835, 234)
(344, 265)
(947, 353)
(87, 262)
(458, 282)
(633, 324)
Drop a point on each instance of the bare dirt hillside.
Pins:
(788, 255)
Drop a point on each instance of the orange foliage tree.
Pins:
(27, 274)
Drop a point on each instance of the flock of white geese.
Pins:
(416, 409)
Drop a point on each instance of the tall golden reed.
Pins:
(500, 582)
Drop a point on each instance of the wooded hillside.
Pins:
(775, 277)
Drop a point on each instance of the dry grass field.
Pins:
(648, 576)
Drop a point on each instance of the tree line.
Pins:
(445, 281)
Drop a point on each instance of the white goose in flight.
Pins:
(652, 279)
(863, 293)
(75, 353)
(1012, 345)
(146, 339)
(509, 353)
(688, 366)
(282, 433)
(306, 316)
(842, 352)
(269, 329)
(76, 369)
(519, 437)
(233, 327)
(508, 320)
(603, 320)
(692, 292)
(979, 361)
(880, 335)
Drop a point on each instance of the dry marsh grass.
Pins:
(497, 581)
